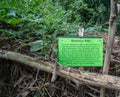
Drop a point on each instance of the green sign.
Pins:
(80, 51)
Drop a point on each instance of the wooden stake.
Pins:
(81, 86)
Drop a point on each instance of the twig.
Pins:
(48, 92)
(115, 67)
(24, 89)
(20, 80)
(54, 75)
(36, 78)
(30, 84)
(93, 89)
(81, 91)
(114, 60)
(90, 94)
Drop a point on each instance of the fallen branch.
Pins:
(106, 81)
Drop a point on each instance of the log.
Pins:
(99, 80)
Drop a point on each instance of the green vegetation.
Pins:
(24, 20)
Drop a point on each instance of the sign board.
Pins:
(80, 51)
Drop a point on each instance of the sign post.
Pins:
(80, 51)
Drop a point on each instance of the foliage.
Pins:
(92, 11)
(25, 20)
(46, 21)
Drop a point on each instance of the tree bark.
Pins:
(110, 41)
(106, 81)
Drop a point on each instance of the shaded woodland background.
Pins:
(31, 27)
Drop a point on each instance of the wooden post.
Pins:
(110, 41)
(81, 86)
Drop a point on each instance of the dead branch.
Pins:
(106, 81)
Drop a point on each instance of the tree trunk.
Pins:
(110, 41)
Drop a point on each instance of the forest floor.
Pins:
(17, 79)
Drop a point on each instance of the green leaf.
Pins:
(2, 14)
(36, 46)
(39, 32)
(11, 13)
(14, 21)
